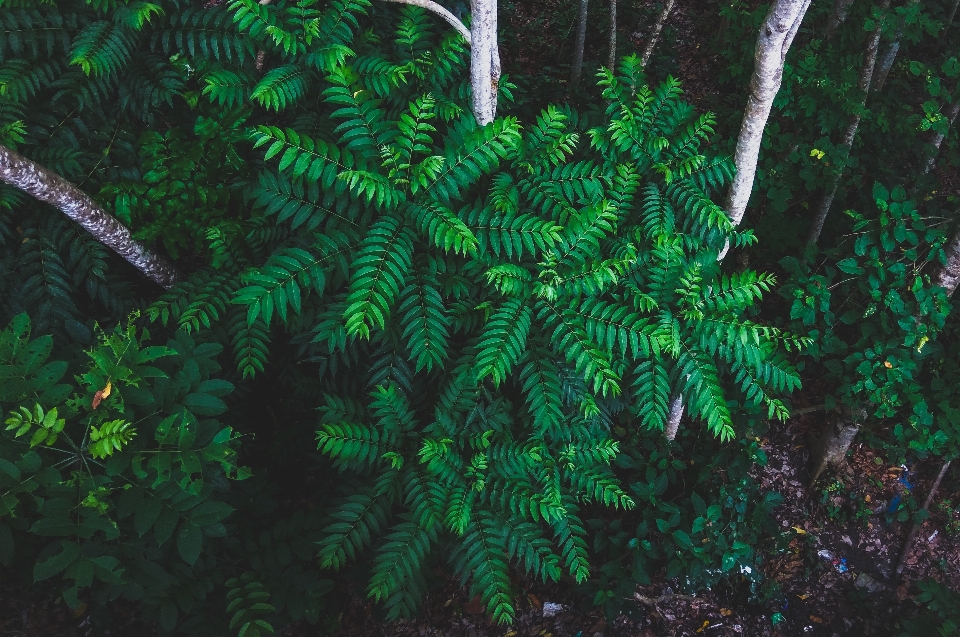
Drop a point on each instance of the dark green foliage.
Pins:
(483, 316)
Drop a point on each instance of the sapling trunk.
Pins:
(829, 449)
(577, 68)
(934, 149)
(850, 133)
(673, 419)
(889, 55)
(948, 275)
(915, 529)
(47, 186)
(776, 35)
(484, 59)
(441, 11)
(655, 35)
(612, 58)
(839, 13)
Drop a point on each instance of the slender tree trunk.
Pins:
(948, 274)
(837, 16)
(886, 62)
(429, 5)
(949, 23)
(934, 149)
(890, 53)
(47, 186)
(612, 59)
(915, 529)
(577, 68)
(261, 54)
(846, 143)
(829, 449)
(673, 419)
(484, 59)
(776, 35)
(655, 35)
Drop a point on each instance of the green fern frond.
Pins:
(281, 87)
(102, 48)
(378, 273)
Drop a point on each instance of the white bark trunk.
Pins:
(948, 275)
(837, 16)
(655, 35)
(937, 141)
(846, 143)
(577, 67)
(429, 5)
(484, 59)
(890, 53)
(776, 35)
(47, 186)
(612, 58)
(673, 420)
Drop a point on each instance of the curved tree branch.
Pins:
(51, 188)
(429, 5)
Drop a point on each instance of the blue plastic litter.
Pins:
(894, 504)
(841, 566)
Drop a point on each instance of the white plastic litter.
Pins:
(550, 609)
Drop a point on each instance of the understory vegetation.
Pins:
(404, 345)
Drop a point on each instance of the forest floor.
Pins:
(836, 572)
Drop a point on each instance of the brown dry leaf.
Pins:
(535, 601)
(726, 612)
(80, 610)
(473, 607)
(816, 620)
(902, 593)
(101, 394)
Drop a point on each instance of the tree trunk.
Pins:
(948, 275)
(47, 186)
(890, 53)
(484, 59)
(655, 35)
(673, 420)
(846, 143)
(830, 448)
(886, 62)
(577, 68)
(612, 59)
(949, 23)
(776, 36)
(261, 54)
(837, 16)
(915, 530)
(935, 143)
(429, 5)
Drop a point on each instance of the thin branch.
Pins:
(429, 5)
(51, 188)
